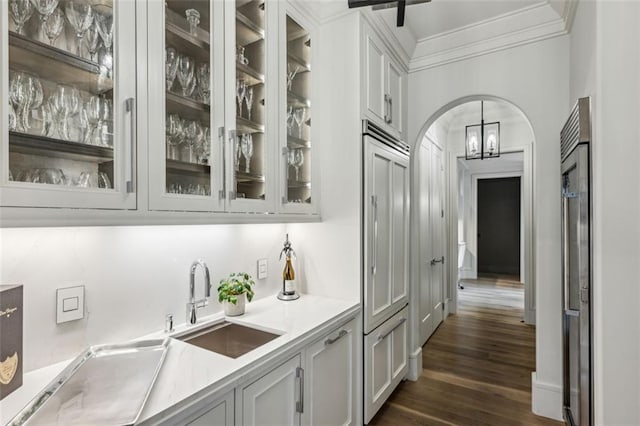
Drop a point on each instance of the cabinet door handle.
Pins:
(434, 261)
(386, 108)
(130, 108)
(382, 337)
(374, 262)
(390, 110)
(222, 192)
(300, 402)
(285, 154)
(335, 339)
(233, 141)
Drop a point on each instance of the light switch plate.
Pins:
(69, 304)
(262, 269)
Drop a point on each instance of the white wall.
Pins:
(133, 277)
(534, 77)
(605, 63)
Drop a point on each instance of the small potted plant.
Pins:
(232, 292)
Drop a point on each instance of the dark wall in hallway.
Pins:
(499, 226)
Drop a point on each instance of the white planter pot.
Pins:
(232, 310)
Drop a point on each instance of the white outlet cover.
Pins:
(69, 304)
(262, 269)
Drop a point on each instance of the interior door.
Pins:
(424, 289)
(437, 238)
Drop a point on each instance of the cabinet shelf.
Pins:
(185, 168)
(247, 31)
(250, 76)
(187, 44)
(298, 185)
(187, 108)
(296, 100)
(242, 177)
(295, 142)
(296, 60)
(39, 145)
(246, 126)
(33, 56)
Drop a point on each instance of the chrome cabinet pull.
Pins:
(386, 108)
(300, 402)
(382, 337)
(130, 108)
(434, 260)
(374, 202)
(233, 140)
(222, 192)
(335, 339)
(390, 110)
(285, 154)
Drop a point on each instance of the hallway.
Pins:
(476, 366)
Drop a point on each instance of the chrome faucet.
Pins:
(194, 304)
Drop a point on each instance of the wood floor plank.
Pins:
(476, 366)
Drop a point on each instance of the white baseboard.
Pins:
(530, 316)
(546, 398)
(415, 365)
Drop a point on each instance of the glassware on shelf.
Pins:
(95, 111)
(193, 18)
(192, 136)
(240, 55)
(203, 75)
(54, 25)
(105, 28)
(50, 176)
(241, 91)
(94, 180)
(290, 119)
(175, 134)
(299, 115)
(296, 159)
(21, 11)
(246, 145)
(46, 117)
(65, 103)
(80, 16)
(203, 148)
(25, 90)
(236, 154)
(249, 101)
(171, 66)
(291, 74)
(92, 38)
(12, 117)
(45, 8)
(185, 74)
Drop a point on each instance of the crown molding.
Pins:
(512, 29)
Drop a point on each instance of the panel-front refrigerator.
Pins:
(576, 266)
(385, 266)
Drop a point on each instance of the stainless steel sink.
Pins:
(229, 339)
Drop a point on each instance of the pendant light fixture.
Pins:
(482, 140)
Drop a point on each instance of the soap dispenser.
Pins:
(288, 273)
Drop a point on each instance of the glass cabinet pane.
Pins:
(188, 97)
(249, 150)
(298, 114)
(62, 113)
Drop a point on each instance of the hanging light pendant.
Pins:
(482, 140)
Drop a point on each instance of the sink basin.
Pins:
(229, 339)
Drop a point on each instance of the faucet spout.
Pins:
(194, 304)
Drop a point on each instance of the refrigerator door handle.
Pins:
(566, 196)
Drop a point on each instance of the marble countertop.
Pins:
(189, 371)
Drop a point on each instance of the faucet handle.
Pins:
(168, 323)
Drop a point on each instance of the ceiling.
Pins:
(469, 113)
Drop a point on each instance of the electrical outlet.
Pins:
(262, 269)
(69, 304)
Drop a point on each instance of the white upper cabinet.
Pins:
(384, 85)
(68, 111)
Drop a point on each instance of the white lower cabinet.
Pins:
(330, 377)
(211, 411)
(385, 361)
(275, 399)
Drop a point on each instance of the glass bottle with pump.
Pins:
(288, 274)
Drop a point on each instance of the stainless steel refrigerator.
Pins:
(576, 266)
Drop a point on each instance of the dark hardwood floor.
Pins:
(476, 367)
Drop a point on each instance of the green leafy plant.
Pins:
(233, 286)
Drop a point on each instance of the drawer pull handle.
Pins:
(335, 339)
(382, 337)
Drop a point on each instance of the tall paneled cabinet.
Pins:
(158, 108)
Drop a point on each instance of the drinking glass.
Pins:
(171, 65)
(240, 55)
(94, 111)
(203, 74)
(236, 154)
(185, 74)
(12, 117)
(249, 101)
(54, 25)
(298, 116)
(46, 116)
(241, 91)
(193, 18)
(21, 11)
(291, 74)
(49, 176)
(92, 38)
(192, 135)
(204, 146)
(105, 28)
(45, 8)
(65, 103)
(25, 90)
(174, 131)
(298, 161)
(94, 180)
(80, 16)
(290, 119)
(247, 151)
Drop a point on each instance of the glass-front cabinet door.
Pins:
(186, 105)
(67, 80)
(297, 171)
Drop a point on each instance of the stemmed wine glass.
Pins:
(65, 103)
(54, 25)
(236, 154)
(95, 111)
(298, 116)
(241, 91)
(291, 74)
(25, 90)
(203, 75)
(185, 74)
(246, 145)
(105, 28)
(12, 117)
(21, 11)
(204, 146)
(290, 119)
(171, 65)
(174, 130)
(192, 134)
(45, 8)
(80, 16)
(296, 159)
(92, 37)
(249, 100)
